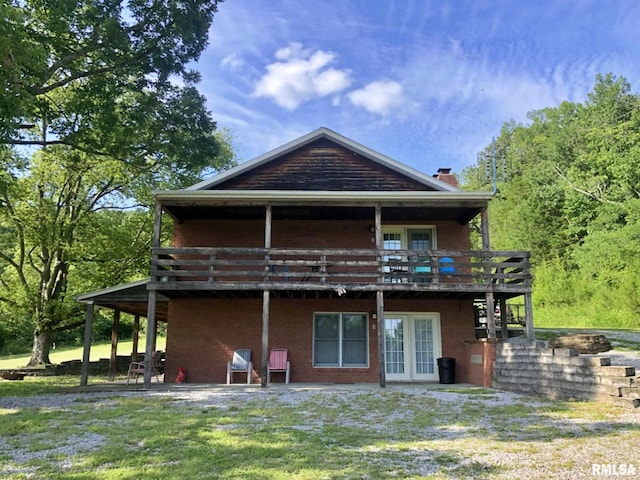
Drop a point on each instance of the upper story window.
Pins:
(409, 238)
(418, 238)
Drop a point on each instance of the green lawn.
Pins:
(299, 432)
(98, 351)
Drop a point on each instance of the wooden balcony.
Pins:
(199, 269)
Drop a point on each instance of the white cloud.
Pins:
(301, 75)
(232, 61)
(381, 97)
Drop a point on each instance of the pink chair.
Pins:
(279, 362)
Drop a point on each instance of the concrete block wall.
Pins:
(561, 373)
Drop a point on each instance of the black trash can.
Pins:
(447, 369)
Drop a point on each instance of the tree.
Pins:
(101, 89)
(572, 199)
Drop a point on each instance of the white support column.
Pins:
(88, 332)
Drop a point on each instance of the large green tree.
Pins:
(98, 108)
(571, 196)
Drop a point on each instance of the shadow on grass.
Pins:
(253, 434)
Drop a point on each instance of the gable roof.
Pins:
(426, 181)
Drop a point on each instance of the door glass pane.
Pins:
(394, 345)
(420, 240)
(393, 241)
(425, 361)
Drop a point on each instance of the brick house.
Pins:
(359, 265)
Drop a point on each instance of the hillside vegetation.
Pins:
(568, 190)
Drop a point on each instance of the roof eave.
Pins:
(263, 197)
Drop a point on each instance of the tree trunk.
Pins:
(42, 341)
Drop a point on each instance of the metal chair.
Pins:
(137, 368)
(241, 363)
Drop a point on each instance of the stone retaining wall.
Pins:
(561, 373)
(73, 367)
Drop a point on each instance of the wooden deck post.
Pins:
(380, 326)
(88, 331)
(136, 338)
(504, 317)
(265, 339)
(380, 301)
(528, 315)
(265, 302)
(151, 304)
(115, 330)
(151, 328)
(486, 247)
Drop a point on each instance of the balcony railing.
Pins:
(200, 268)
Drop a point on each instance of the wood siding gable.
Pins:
(323, 165)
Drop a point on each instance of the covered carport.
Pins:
(131, 298)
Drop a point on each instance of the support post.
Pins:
(115, 330)
(491, 317)
(151, 328)
(380, 326)
(379, 241)
(88, 331)
(486, 247)
(264, 369)
(504, 317)
(528, 315)
(151, 303)
(378, 227)
(136, 338)
(265, 338)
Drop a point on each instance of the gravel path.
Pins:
(566, 448)
(575, 447)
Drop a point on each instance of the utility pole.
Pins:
(488, 165)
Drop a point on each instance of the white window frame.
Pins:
(404, 230)
(340, 363)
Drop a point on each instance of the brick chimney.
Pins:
(445, 175)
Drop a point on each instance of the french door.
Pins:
(412, 345)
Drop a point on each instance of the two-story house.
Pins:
(359, 265)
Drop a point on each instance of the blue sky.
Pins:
(425, 82)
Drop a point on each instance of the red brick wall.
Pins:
(202, 334)
(479, 359)
(300, 234)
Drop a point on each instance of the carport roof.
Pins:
(129, 298)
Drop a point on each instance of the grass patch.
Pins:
(63, 354)
(356, 433)
(31, 386)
